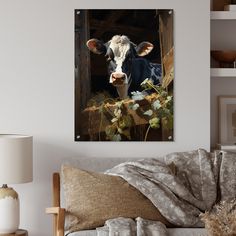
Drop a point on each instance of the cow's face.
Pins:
(120, 52)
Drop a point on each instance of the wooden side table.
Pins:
(19, 232)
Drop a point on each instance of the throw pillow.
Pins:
(92, 198)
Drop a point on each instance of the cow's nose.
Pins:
(118, 75)
(118, 78)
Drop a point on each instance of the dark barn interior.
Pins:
(91, 76)
(138, 25)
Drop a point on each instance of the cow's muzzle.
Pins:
(118, 78)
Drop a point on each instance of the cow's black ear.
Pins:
(96, 46)
(144, 48)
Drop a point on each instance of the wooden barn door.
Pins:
(167, 45)
(166, 35)
(82, 67)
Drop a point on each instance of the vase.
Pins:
(9, 210)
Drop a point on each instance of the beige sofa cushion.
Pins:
(171, 232)
(92, 198)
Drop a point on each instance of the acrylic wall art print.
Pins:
(124, 75)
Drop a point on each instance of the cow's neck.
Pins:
(123, 91)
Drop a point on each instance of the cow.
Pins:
(126, 67)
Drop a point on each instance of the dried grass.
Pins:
(221, 220)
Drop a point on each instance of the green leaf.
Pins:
(110, 130)
(125, 122)
(119, 104)
(116, 137)
(168, 122)
(120, 130)
(164, 93)
(147, 84)
(101, 109)
(154, 123)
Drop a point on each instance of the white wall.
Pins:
(37, 89)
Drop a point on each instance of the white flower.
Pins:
(148, 113)
(114, 120)
(156, 105)
(138, 96)
(135, 106)
(117, 113)
(145, 81)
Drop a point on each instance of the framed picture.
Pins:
(227, 119)
(124, 74)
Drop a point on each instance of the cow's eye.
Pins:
(108, 59)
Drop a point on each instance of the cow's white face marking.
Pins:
(120, 45)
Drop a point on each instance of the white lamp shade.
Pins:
(16, 162)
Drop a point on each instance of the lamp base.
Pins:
(9, 210)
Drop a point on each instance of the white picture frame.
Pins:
(227, 119)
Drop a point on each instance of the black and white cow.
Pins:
(127, 69)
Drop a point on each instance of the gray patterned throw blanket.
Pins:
(182, 185)
(128, 227)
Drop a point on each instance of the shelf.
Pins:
(223, 72)
(223, 15)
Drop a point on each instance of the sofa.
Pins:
(98, 165)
